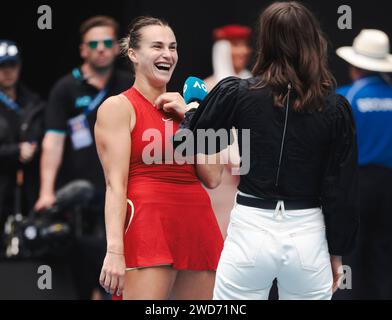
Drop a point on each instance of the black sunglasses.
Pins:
(108, 43)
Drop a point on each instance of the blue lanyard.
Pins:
(10, 104)
(98, 98)
(96, 102)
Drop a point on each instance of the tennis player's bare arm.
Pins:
(115, 121)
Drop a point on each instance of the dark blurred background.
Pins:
(49, 54)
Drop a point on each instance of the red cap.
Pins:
(232, 31)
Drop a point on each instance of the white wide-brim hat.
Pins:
(370, 51)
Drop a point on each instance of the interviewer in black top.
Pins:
(303, 155)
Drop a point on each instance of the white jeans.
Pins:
(289, 245)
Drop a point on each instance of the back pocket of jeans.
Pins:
(312, 249)
(242, 245)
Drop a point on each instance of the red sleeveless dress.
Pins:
(170, 220)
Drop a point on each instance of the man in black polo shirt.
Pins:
(69, 151)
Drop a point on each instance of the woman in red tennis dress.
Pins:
(163, 240)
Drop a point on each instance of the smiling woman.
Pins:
(132, 41)
(169, 245)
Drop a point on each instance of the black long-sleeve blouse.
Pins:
(318, 159)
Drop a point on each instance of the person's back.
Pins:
(296, 212)
(299, 173)
(370, 95)
(371, 99)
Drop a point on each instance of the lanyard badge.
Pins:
(79, 128)
(80, 132)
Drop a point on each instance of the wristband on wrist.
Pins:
(115, 253)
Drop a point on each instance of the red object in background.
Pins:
(232, 31)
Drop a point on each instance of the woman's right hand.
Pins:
(171, 102)
(113, 273)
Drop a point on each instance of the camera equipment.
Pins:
(50, 232)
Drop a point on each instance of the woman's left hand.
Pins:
(171, 102)
(337, 271)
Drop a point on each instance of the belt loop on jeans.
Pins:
(277, 210)
(279, 213)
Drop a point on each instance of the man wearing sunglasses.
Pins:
(21, 131)
(69, 151)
